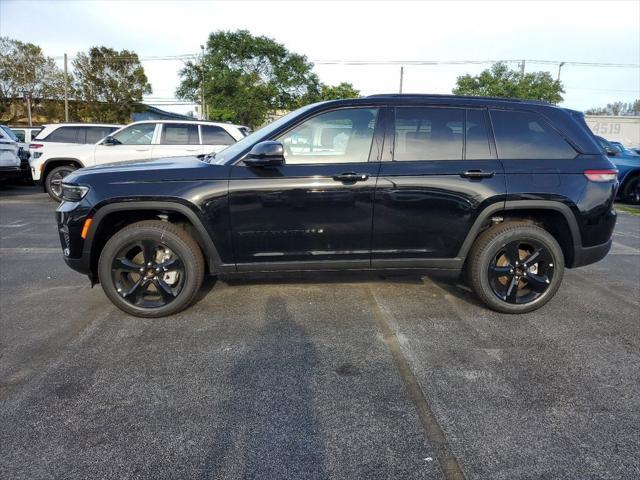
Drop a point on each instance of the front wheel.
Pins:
(151, 269)
(515, 267)
(53, 182)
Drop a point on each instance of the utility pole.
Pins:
(202, 106)
(522, 69)
(27, 96)
(560, 68)
(401, 77)
(66, 90)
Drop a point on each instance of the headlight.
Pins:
(73, 193)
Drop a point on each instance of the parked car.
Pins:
(9, 155)
(622, 149)
(430, 187)
(138, 141)
(628, 166)
(26, 134)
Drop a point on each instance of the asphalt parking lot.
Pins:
(343, 376)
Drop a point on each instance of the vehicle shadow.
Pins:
(269, 427)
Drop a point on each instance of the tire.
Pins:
(506, 275)
(53, 181)
(135, 249)
(631, 191)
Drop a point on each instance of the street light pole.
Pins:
(66, 90)
(401, 77)
(559, 69)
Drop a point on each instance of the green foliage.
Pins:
(500, 81)
(24, 70)
(617, 108)
(245, 78)
(332, 92)
(110, 82)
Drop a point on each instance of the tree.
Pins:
(25, 71)
(246, 77)
(331, 92)
(110, 82)
(500, 81)
(617, 108)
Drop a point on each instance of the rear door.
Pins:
(438, 172)
(177, 140)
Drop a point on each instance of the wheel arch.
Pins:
(54, 162)
(555, 217)
(114, 216)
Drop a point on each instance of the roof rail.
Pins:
(472, 97)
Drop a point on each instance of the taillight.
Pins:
(601, 175)
(36, 145)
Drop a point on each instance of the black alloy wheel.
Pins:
(631, 193)
(151, 269)
(53, 182)
(521, 272)
(148, 274)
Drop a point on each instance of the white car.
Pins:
(26, 134)
(9, 159)
(144, 140)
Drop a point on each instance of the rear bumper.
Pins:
(587, 255)
(10, 172)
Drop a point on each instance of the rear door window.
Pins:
(477, 146)
(19, 133)
(526, 135)
(428, 133)
(64, 135)
(179, 134)
(212, 135)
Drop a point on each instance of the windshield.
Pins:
(10, 133)
(232, 151)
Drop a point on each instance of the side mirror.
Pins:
(109, 141)
(611, 152)
(265, 154)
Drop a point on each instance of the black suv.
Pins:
(507, 191)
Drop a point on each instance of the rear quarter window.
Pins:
(212, 135)
(526, 135)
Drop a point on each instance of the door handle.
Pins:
(142, 149)
(351, 177)
(477, 174)
(192, 149)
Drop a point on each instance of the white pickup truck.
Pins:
(144, 140)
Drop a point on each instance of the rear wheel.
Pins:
(515, 267)
(151, 269)
(631, 191)
(53, 181)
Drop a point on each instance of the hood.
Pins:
(160, 170)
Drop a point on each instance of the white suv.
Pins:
(144, 140)
(9, 159)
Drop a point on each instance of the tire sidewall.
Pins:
(628, 188)
(162, 236)
(522, 234)
(47, 181)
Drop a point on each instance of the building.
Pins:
(152, 113)
(623, 129)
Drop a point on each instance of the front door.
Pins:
(132, 143)
(439, 174)
(316, 210)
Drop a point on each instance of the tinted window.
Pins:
(428, 133)
(140, 134)
(95, 134)
(339, 136)
(19, 134)
(179, 134)
(212, 135)
(477, 146)
(527, 135)
(64, 135)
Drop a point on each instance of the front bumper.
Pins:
(70, 217)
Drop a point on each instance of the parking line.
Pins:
(435, 435)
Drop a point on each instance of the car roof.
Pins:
(81, 125)
(190, 122)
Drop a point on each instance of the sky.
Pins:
(399, 31)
